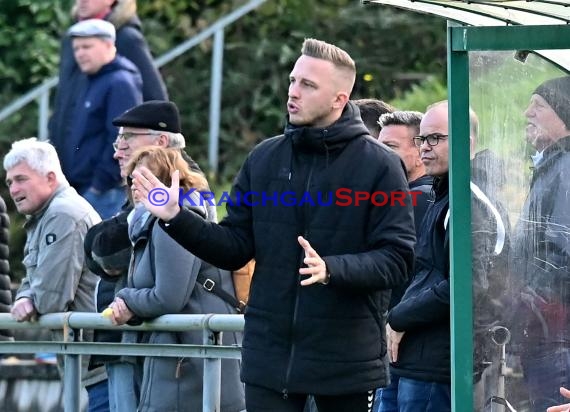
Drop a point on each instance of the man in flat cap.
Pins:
(152, 123)
(113, 84)
(540, 259)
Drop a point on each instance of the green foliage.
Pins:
(421, 95)
(29, 41)
(261, 48)
(393, 50)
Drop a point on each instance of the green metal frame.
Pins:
(462, 40)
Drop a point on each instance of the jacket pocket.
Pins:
(31, 259)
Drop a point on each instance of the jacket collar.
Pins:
(315, 139)
(441, 186)
(31, 219)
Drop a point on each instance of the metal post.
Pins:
(71, 379)
(43, 117)
(216, 100)
(460, 239)
(211, 392)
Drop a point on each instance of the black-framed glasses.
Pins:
(431, 139)
(129, 135)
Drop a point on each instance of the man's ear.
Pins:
(163, 140)
(340, 100)
(52, 180)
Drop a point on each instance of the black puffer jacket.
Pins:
(316, 339)
(5, 290)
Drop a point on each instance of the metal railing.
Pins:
(212, 351)
(41, 93)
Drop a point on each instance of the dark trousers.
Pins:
(258, 399)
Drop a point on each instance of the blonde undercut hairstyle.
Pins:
(334, 54)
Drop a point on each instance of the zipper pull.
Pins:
(285, 394)
(178, 368)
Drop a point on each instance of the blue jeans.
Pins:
(122, 395)
(545, 372)
(386, 399)
(108, 203)
(415, 395)
(98, 395)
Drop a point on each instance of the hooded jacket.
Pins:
(325, 340)
(86, 154)
(130, 44)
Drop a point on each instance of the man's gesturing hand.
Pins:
(393, 340)
(316, 267)
(158, 199)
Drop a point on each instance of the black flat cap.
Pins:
(153, 114)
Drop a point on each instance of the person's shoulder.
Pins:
(121, 65)
(372, 149)
(127, 36)
(269, 144)
(69, 205)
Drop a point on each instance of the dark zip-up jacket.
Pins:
(424, 311)
(541, 254)
(86, 153)
(130, 43)
(423, 199)
(315, 339)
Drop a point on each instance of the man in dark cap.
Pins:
(152, 123)
(540, 260)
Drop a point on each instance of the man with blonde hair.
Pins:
(314, 322)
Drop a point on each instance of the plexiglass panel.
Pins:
(520, 174)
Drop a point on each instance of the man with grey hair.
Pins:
(540, 256)
(57, 219)
(152, 123)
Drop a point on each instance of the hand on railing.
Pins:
(23, 310)
(118, 312)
